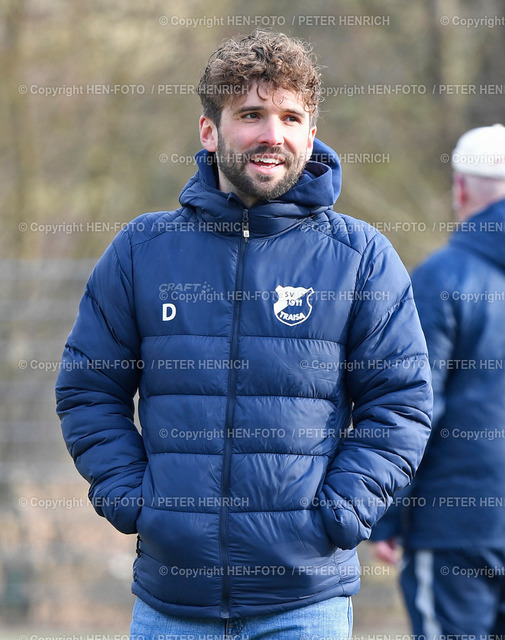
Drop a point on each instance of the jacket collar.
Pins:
(316, 190)
(484, 234)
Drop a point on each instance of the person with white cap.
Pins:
(451, 520)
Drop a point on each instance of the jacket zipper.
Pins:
(230, 411)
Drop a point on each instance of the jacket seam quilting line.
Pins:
(235, 513)
(210, 335)
(242, 453)
(133, 309)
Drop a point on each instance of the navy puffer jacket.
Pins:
(457, 498)
(247, 489)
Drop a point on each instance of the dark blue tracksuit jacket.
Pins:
(457, 500)
(251, 355)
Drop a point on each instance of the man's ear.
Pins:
(208, 134)
(310, 141)
(459, 193)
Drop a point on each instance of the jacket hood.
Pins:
(484, 234)
(317, 190)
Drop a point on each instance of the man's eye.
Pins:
(251, 116)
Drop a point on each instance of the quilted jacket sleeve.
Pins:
(389, 384)
(438, 317)
(96, 385)
(431, 286)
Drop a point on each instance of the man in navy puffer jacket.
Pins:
(256, 324)
(452, 519)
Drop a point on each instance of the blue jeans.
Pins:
(327, 620)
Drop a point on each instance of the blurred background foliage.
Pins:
(88, 157)
(99, 124)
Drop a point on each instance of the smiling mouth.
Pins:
(267, 161)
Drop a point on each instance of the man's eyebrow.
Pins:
(292, 110)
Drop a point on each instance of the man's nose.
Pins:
(271, 133)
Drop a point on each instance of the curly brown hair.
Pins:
(264, 57)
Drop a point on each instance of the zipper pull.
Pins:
(245, 224)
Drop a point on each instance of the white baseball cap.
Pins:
(481, 152)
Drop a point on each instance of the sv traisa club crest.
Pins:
(292, 306)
